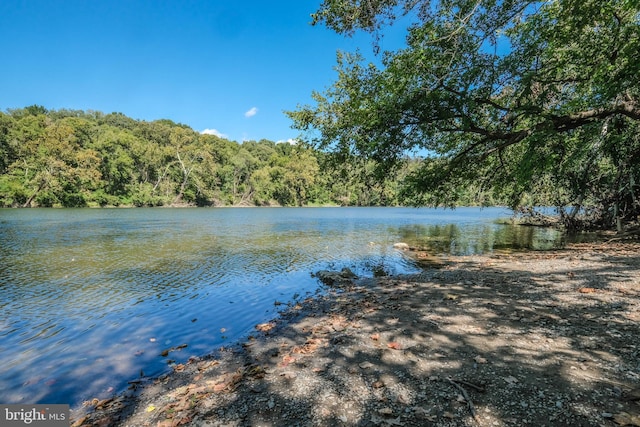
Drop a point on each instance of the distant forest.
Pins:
(71, 158)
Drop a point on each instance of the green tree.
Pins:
(7, 155)
(54, 168)
(518, 98)
(117, 165)
(300, 174)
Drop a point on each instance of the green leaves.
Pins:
(72, 158)
(506, 96)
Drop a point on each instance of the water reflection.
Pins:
(90, 298)
(451, 239)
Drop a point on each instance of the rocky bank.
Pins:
(536, 338)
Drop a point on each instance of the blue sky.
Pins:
(228, 66)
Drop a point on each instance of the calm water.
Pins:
(90, 297)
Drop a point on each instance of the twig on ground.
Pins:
(464, 393)
(473, 386)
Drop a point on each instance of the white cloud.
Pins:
(215, 132)
(252, 112)
(291, 141)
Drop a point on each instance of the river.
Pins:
(90, 298)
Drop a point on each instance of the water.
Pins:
(89, 298)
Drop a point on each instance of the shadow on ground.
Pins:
(541, 338)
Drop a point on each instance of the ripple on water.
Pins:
(94, 296)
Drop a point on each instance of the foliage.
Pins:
(532, 102)
(74, 158)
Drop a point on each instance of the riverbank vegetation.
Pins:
(520, 103)
(71, 158)
(535, 102)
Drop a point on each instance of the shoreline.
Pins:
(528, 338)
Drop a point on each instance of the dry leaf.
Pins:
(375, 337)
(227, 382)
(309, 347)
(265, 327)
(395, 345)
(219, 387)
(586, 290)
(80, 421)
(287, 359)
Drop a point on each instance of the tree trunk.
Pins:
(27, 204)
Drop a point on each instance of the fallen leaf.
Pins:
(80, 421)
(206, 365)
(309, 347)
(228, 382)
(375, 337)
(219, 387)
(395, 345)
(265, 327)
(150, 408)
(287, 359)
(586, 290)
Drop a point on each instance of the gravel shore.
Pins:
(535, 338)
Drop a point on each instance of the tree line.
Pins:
(72, 158)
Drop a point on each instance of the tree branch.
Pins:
(558, 123)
